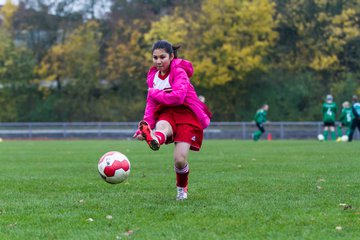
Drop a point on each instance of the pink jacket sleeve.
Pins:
(179, 87)
(150, 112)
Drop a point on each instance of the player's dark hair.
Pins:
(168, 47)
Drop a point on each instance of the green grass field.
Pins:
(238, 190)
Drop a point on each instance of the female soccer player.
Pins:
(329, 110)
(356, 120)
(260, 120)
(173, 111)
(345, 119)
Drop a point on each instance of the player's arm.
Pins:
(176, 95)
(324, 109)
(256, 118)
(265, 118)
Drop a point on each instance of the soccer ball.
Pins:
(321, 137)
(114, 167)
(344, 138)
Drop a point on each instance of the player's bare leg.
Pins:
(163, 130)
(156, 137)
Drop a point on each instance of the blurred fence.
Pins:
(125, 130)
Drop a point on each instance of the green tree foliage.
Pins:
(317, 31)
(126, 63)
(288, 53)
(16, 72)
(75, 66)
(76, 59)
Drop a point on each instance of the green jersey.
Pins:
(329, 111)
(260, 116)
(346, 116)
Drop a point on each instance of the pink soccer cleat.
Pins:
(149, 136)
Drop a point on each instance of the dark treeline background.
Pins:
(68, 60)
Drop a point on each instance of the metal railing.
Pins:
(125, 130)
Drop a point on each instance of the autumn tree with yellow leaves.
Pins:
(225, 40)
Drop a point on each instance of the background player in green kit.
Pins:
(345, 119)
(260, 120)
(329, 110)
(356, 120)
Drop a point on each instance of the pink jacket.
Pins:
(183, 93)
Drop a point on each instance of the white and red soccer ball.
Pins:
(114, 167)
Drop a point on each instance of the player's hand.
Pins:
(138, 135)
